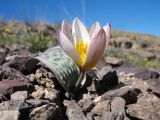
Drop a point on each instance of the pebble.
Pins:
(19, 95)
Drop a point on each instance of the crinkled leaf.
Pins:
(64, 68)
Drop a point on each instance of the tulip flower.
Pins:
(85, 48)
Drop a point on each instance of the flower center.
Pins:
(81, 48)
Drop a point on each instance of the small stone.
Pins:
(66, 102)
(130, 80)
(101, 107)
(86, 104)
(113, 116)
(108, 116)
(9, 115)
(49, 83)
(11, 58)
(118, 108)
(97, 118)
(144, 112)
(89, 116)
(43, 77)
(67, 95)
(31, 77)
(97, 99)
(12, 74)
(14, 105)
(44, 112)
(146, 108)
(141, 73)
(74, 111)
(20, 95)
(51, 94)
(128, 93)
(10, 86)
(37, 102)
(114, 61)
(38, 87)
(118, 104)
(40, 93)
(50, 75)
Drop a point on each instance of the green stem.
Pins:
(82, 74)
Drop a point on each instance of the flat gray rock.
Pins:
(44, 112)
(74, 111)
(9, 115)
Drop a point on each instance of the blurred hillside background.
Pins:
(135, 26)
(129, 15)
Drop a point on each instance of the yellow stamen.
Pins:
(81, 48)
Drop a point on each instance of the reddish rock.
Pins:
(10, 86)
(8, 73)
(128, 93)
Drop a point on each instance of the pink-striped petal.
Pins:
(107, 29)
(66, 29)
(95, 50)
(79, 32)
(68, 47)
(94, 30)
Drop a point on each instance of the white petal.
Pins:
(95, 50)
(79, 32)
(94, 30)
(68, 47)
(107, 29)
(66, 29)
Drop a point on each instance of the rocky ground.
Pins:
(117, 90)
